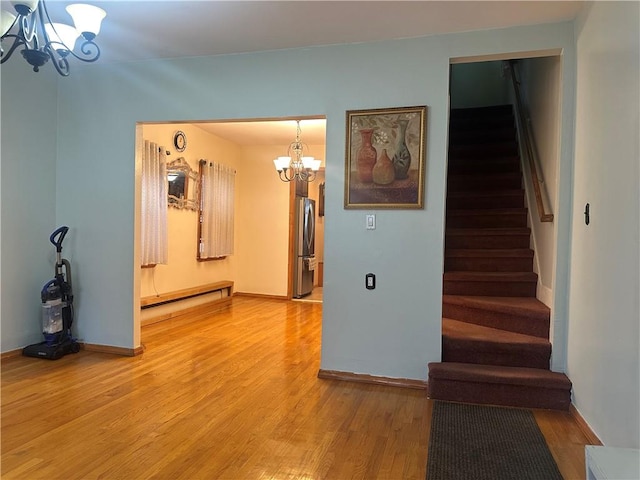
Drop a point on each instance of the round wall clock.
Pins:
(180, 141)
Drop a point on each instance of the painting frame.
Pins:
(394, 179)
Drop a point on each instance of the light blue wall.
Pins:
(392, 331)
(604, 310)
(28, 197)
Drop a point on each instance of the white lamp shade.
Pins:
(316, 164)
(25, 5)
(61, 35)
(311, 163)
(282, 162)
(86, 18)
(6, 20)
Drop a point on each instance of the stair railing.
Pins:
(525, 136)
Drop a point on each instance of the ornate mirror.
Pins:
(183, 185)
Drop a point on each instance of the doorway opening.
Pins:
(488, 188)
(261, 264)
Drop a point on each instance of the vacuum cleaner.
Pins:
(57, 309)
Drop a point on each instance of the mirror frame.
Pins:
(190, 199)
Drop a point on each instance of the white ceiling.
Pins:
(141, 29)
(144, 29)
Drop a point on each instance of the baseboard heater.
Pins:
(157, 308)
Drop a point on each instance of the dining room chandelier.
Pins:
(29, 26)
(296, 165)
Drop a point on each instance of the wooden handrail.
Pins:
(526, 136)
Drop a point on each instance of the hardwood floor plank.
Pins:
(230, 395)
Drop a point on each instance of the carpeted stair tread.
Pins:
(527, 306)
(482, 133)
(491, 276)
(488, 211)
(482, 115)
(487, 218)
(469, 343)
(483, 150)
(485, 199)
(484, 193)
(478, 232)
(488, 165)
(526, 315)
(496, 374)
(491, 284)
(499, 159)
(462, 330)
(487, 238)
(488, 260)
(480, 181)
(485, 252)
(498, 385)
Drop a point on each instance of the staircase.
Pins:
(495, 333)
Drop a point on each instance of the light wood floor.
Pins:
(227, 396)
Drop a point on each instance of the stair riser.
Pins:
(473, 184)
(484, 113)
(537, 327)
(494, 264)
(484, 202)
(487, 241)
(498, 394)
(490, 288)
(476, 136)
(475, 220)
(463, 125)
(507, 166)
(465, 352)
(489, 150)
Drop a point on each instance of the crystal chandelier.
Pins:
(296, 165)
(29, 26)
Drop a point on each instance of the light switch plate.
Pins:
(370, 222)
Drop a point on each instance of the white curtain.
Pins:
(154, 205)
(217, 206)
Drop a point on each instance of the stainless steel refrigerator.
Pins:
(305, 246)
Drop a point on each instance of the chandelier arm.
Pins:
(17, 41)
(283, 175)
(28, 31)
(88, 48)
(57, 55)
(60, 62)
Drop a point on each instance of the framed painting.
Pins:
(385, 158)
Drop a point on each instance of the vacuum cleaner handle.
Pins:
(57, 242)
